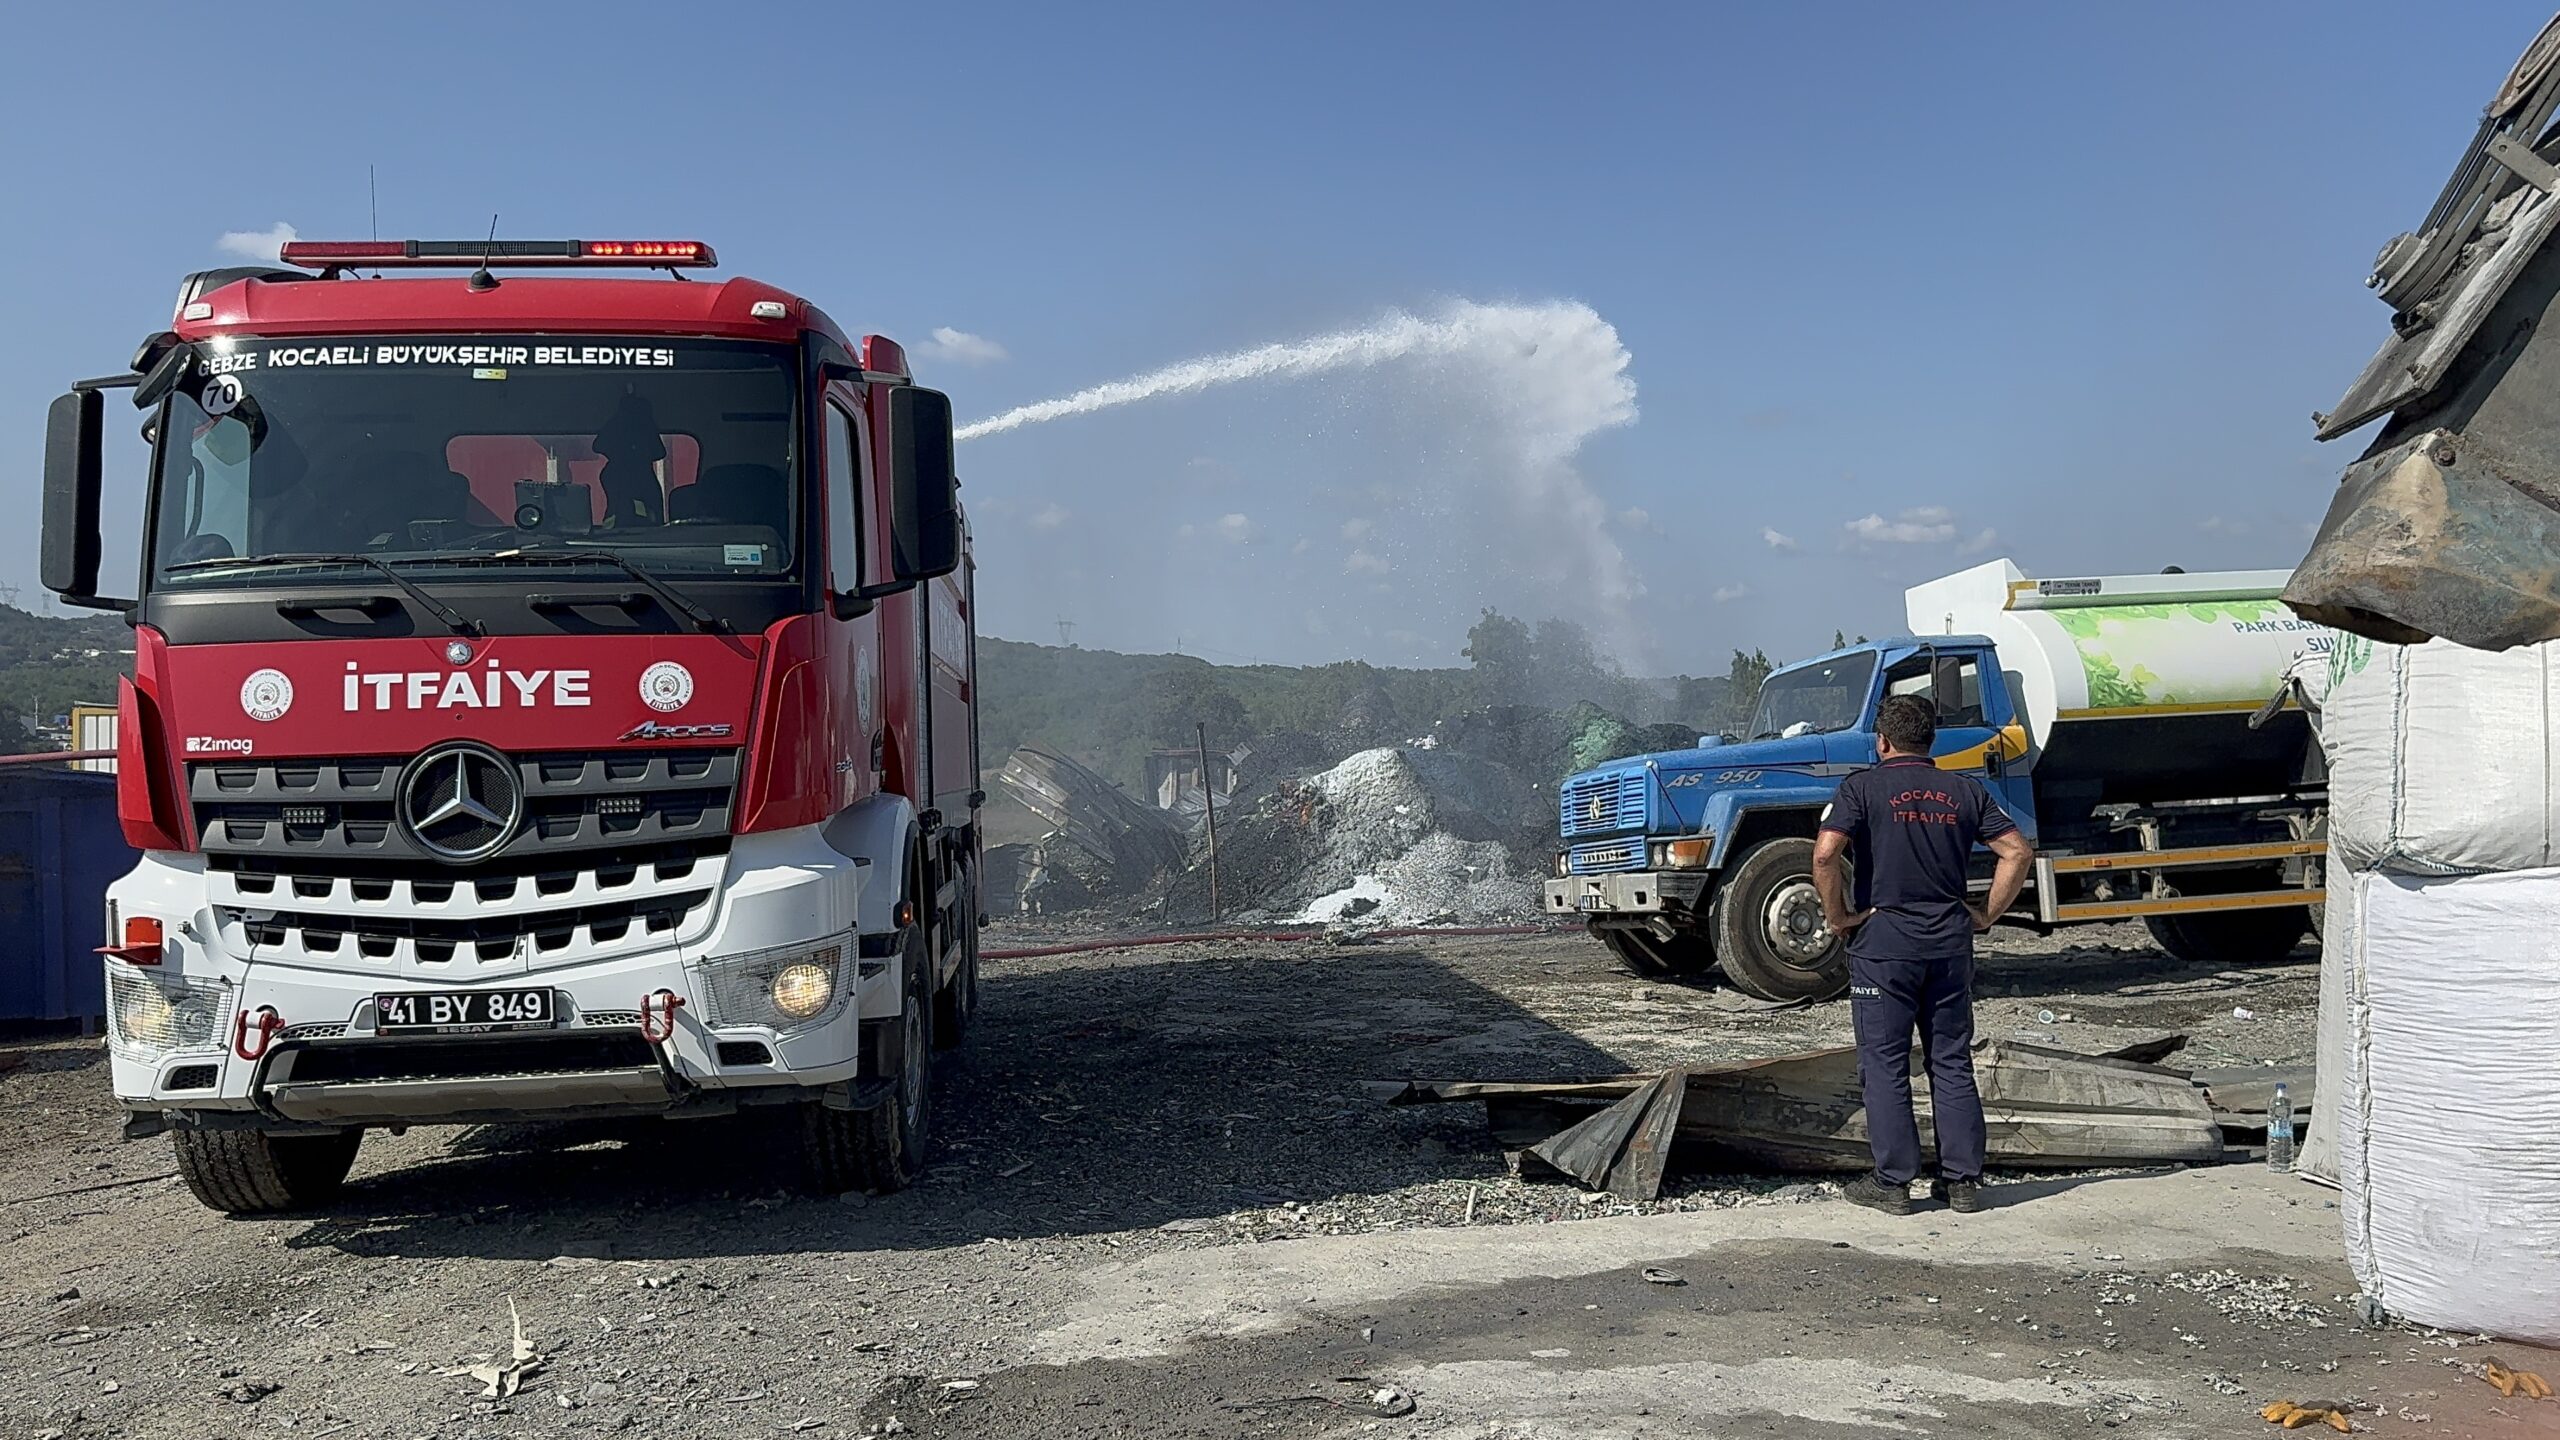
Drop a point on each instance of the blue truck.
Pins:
(2134, 726)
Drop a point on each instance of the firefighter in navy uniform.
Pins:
(1913, 827)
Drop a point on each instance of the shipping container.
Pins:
(60, 845)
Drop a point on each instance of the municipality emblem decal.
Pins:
(266, 695)
(666, 686)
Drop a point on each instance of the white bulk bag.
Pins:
(2448, 1158)
(2318, 1157)
(2441, 759)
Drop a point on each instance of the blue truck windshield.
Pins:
(1810, 699)
(676, 454)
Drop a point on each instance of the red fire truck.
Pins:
(552, 697)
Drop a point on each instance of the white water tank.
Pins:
(2120, 646)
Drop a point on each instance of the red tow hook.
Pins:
(266, 1022)
(658, 1016)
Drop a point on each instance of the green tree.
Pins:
(1567, 665)
(1188, 695)
(1742, 695)
(1504, 655)
(1701, 701)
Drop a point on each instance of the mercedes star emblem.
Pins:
(461, 802)
(458, 651)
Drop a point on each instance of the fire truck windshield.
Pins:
(677, 455)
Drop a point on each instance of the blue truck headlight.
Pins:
(1689, 854)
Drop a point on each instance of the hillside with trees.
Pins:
(48, 665)
(1109, 709)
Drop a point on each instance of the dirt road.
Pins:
(1164, 1207)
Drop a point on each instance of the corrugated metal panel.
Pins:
(60, 845)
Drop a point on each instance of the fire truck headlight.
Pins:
(149, 1015)
(782, 988)
(143, 1013)
(802, 990)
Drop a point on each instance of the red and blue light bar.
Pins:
(423, 254)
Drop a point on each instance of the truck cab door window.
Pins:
(844, 494)
(1953, 683)
(209, 519)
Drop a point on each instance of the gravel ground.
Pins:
(1170, 1107)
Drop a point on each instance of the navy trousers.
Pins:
(1888, 1000)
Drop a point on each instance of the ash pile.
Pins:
(1396, 835)
(1455, 826)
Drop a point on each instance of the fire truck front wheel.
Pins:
(881, 1149)
(249, 1172)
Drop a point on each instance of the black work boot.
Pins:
(1962, 1196)
(1877, 1193)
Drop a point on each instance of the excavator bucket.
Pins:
(2449, 524)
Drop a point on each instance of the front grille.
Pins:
(616, 850)
(1605, 857)
(190, 1077)
(340, 817)
(1603, 803)
(489, 937)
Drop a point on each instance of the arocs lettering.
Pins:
(493, 689)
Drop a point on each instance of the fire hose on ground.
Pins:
(1132, 942)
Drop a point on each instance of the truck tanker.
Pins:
(2130, 724)
(552, 697)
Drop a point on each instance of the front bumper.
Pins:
(328, 1065)
(1633, 893)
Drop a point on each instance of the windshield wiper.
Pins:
(667, 594)
(454, 620)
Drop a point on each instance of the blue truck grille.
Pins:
(1604, 804)
(1606, 856)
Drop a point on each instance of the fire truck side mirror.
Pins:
(73, 443)
(924, 501)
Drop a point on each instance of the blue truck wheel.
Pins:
(1768, 930)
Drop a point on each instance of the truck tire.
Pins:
(1641, 952)
(249, 1172)
(1767, 926)
(956, 1003)
(881, 1149)
(2231, 937)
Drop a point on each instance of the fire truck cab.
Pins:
(553, 696)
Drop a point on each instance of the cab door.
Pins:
(1978, 731)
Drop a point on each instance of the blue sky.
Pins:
(1904, 286)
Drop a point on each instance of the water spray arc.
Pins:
(1535, 380)
(1465, 329)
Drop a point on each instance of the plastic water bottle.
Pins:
(2280, 1130)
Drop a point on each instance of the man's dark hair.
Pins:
(1908, 723)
